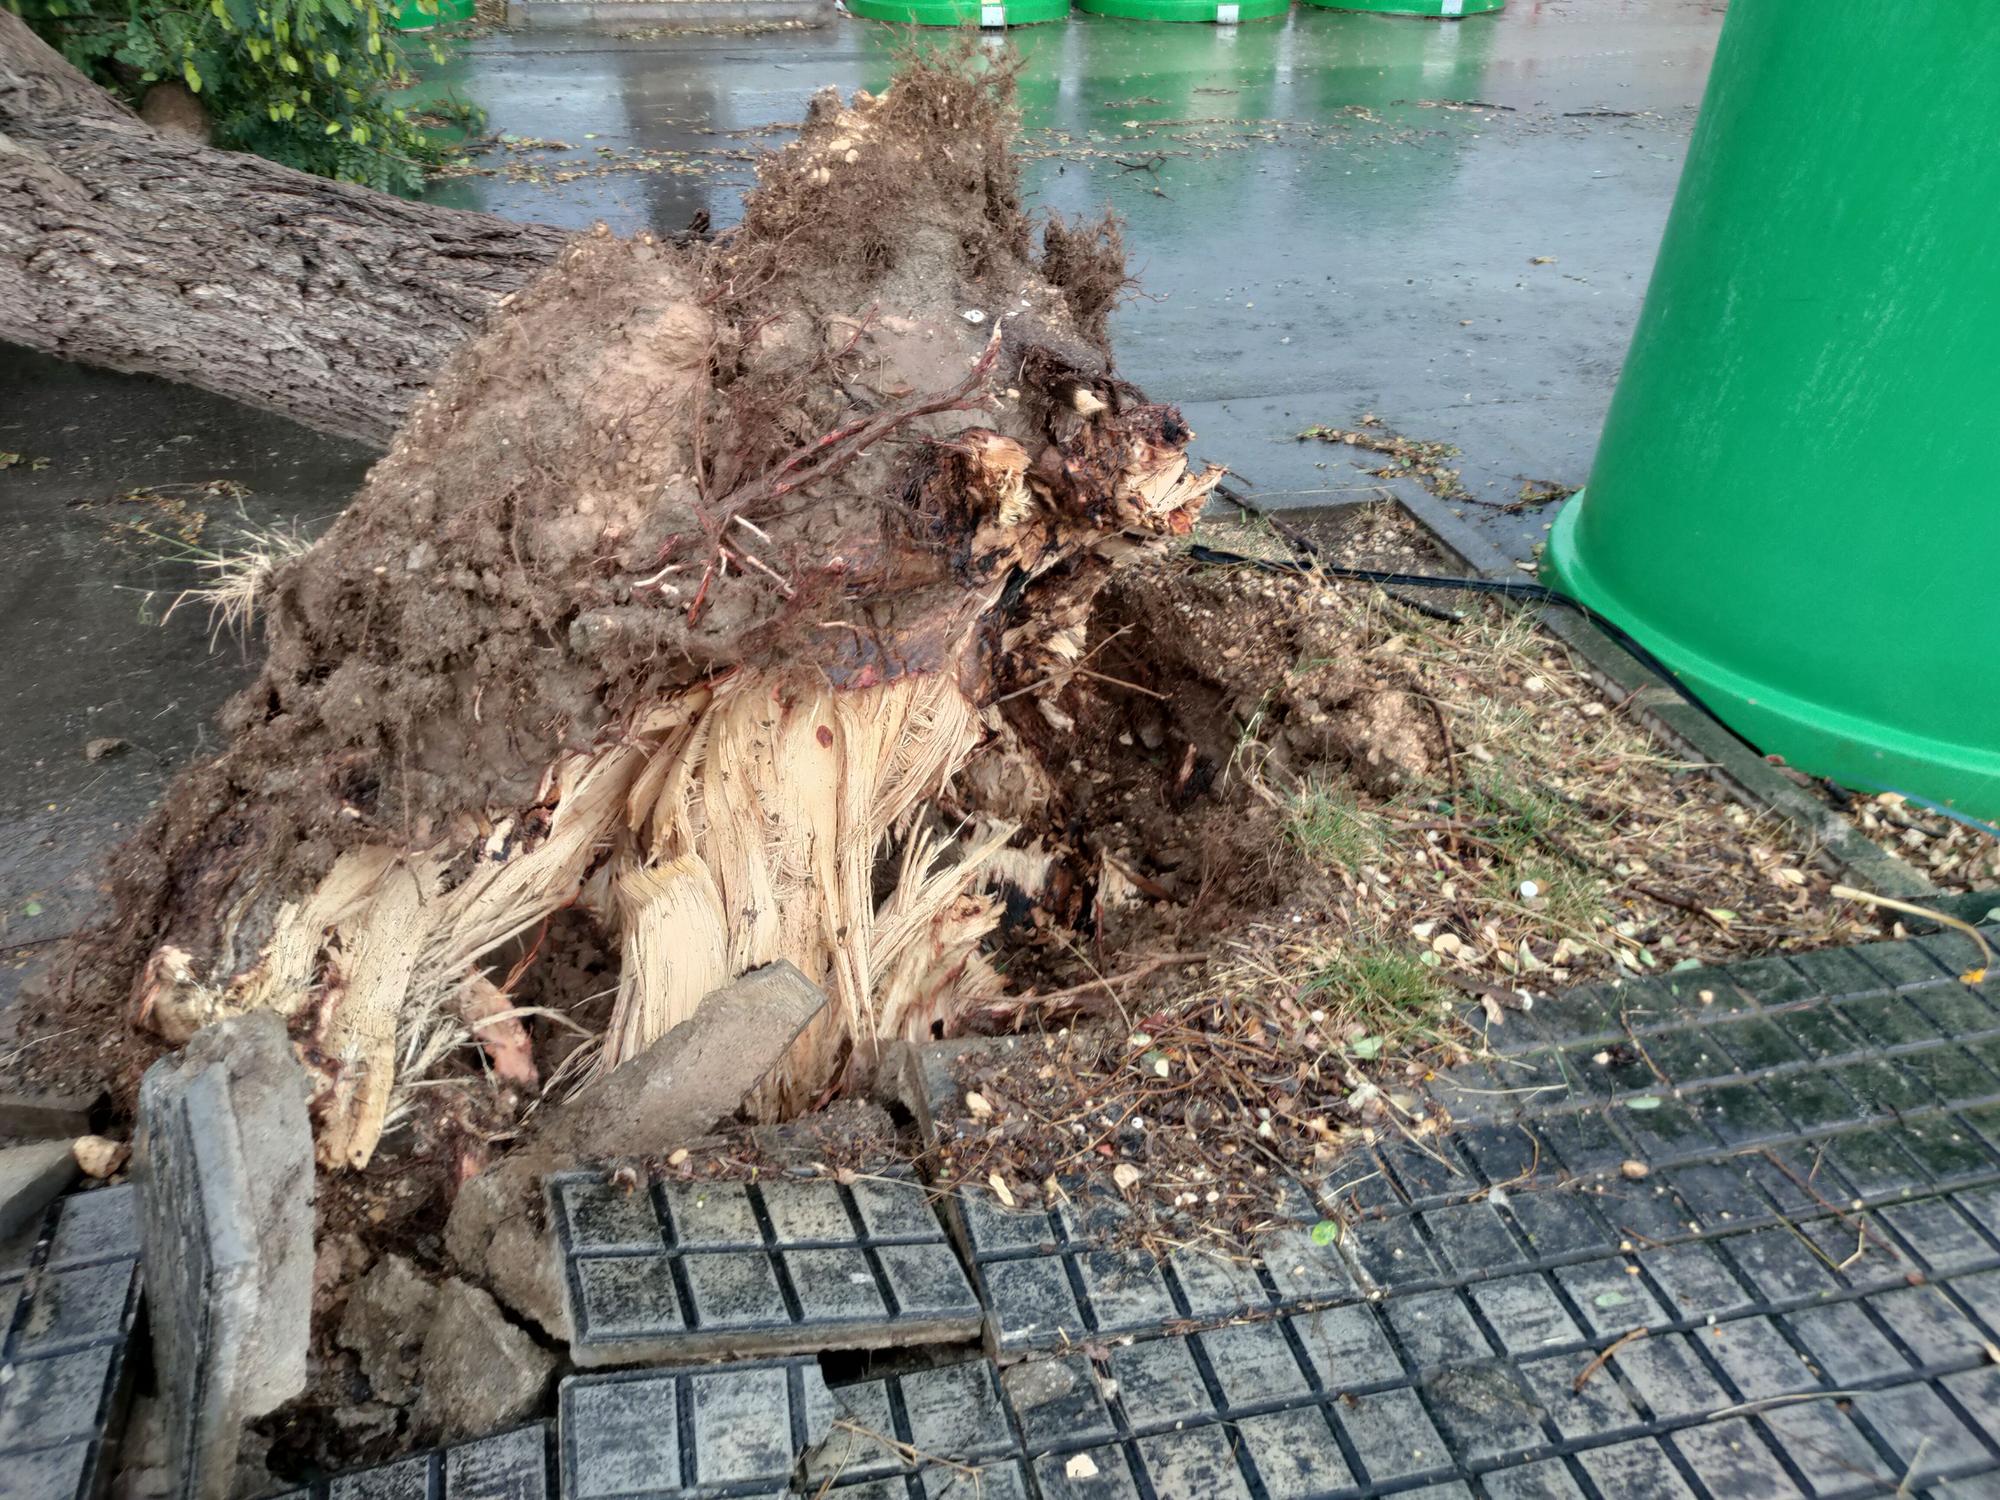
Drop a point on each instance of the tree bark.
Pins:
(122, 247)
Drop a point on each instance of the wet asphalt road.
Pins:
(1448, 226)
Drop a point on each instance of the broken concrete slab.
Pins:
(708, 1270)
(498, 1234)
(478, 1371)
(44, 1117)
(672, 1094)
(30, 1178)
(224, 1158)
(385, 1324)
(695, 1075)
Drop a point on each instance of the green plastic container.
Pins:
(1436, 10)
(985, 13)
(1227, 12)
(409, 16)
(1795, 503)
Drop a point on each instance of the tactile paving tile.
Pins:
(1054, 1277)
(714, 1270)
(942, 1428)
(737, 1429)
(67, 1310)
(513, 1465)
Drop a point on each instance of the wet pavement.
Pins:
(1721, 1233)
(1333, 215)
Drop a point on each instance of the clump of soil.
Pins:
(1952, 855)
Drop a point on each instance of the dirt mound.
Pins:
(674, 604)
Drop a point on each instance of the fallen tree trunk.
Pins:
(674, 607)
(151, 254)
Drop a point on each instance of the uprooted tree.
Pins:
(676, 601)
(146, 252)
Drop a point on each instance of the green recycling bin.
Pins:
(1435, 10)
(408, 15)
(1795, 503)
(1225, 12)
(983, 13)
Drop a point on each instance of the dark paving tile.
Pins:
(1635, 1468)
(1812, 1100)
(1561, 1222)
(1600, 1409)
(1198, 1461)
(1436, 1329)
(1824, 1445)
(1696, 1280)
(1931, 1326)
(1927, 1438)
(1159, 1383)
(1296, 1454)
(1474, 1240)
(1525, 1313)
(1346, 1347)
(1548, 1480)
(1900, 965)
(1940, 1233)
(1671, 1131)
(1781, 1265)
(1821, 1032)
(1845, 1345)
(1741, 1114)
(1252, 1363)
(1669, 1377)
(1889, 1020)
(1505, 1153)
(1486, 1414)
(1610, 1295)
(727, 1269)
(1950, 1074)
(1584, 1142)
(1757, 1359)
(1732, 1458)
(1391, 1253)
(1392, 1435)
(1721, 1196)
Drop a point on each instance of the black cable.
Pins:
(1508, 588)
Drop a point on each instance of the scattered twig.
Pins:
(1604, 1358)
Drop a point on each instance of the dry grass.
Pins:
(238, 579)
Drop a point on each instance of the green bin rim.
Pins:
(1860, 753)
(1182, 10)
(409, 16)
(1437, 10)
(958, 12)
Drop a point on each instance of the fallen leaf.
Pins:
(1126, 1176)
(1000, 1189)
(976, 1105)
(1541, 260)
(1635, 1171)
(678, 1157)
(1325, 1232)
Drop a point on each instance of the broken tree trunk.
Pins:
(153, 254)
(676, 603)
